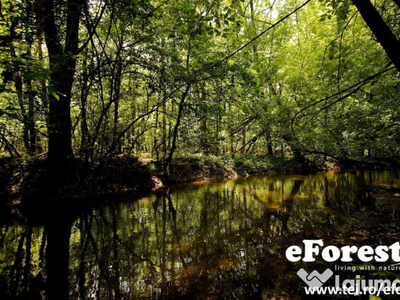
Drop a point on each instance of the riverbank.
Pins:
(35, 180)
(200, 167)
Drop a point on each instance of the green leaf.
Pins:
(55, 95)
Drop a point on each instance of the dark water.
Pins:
(223, 240)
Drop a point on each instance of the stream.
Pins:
(204, 240)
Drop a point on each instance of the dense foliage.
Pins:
(163, 78)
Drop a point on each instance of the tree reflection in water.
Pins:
(216, 240)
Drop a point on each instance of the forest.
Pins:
(216, 80)
(109, 108)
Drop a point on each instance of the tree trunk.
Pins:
(20, 97)
(204, 145)
(269, 145)
(154, 149)
(116, 144)
(31, 117)
(21, 104)
(382, 32)
(164, 129)
(60, 148)
(84, 96)
(62, 71)
(43, 86)
(178, 123)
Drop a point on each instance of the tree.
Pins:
(63, 51)
(167, 78)
(383, 33)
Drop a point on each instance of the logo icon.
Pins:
(315, 279)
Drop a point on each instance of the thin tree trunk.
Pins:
(116, 144)
(164, 130)
(154, 149)
(204, 145)
(84, 94)
(43, 87)
(134, 113)
(269, 145)
(178, 123)
(20, 97)
(9, 146)
(31, 118)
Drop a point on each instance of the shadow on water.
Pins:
(217, 240)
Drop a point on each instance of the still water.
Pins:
(215, 240)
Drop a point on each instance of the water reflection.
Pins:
(211, 241)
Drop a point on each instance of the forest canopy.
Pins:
(161, 79)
